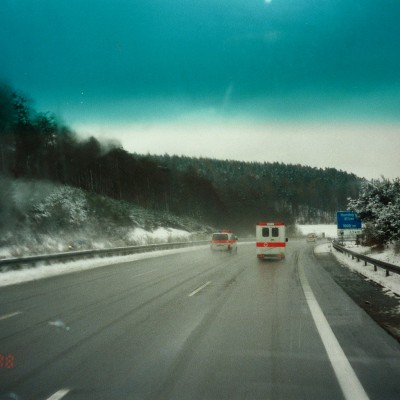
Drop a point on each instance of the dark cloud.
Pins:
(78, 55)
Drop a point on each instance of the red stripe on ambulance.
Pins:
(271, 244)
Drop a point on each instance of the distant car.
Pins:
(224, 240)
(311, 237)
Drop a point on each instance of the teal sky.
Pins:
(121, 68)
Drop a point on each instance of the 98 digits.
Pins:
(7, 361)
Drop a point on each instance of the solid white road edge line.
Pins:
(348, 381)
(10, 315)
(59, 395)
(198, 289)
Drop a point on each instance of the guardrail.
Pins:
(17, 263)
(368, 260)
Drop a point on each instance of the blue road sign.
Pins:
(348, 220)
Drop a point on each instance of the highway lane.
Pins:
(192, 326)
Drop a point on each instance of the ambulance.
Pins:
(224, 240)
(271, 240)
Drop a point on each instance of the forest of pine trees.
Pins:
(237, 194)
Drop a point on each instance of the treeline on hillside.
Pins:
(36, 145)
(221, 193)
(253, 190)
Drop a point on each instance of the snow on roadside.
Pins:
(136, 236)
(47, 271)
(388, 255)
(391, 283)
(160, 235)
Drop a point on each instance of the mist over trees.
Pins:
(221, 193)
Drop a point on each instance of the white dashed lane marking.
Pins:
(198, 289)
(59, 395)
(14, 314)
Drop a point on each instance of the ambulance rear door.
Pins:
(271, 239)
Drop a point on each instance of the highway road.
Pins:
(194, 325)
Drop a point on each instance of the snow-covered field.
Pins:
(328, 229)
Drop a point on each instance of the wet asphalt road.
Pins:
(193, 326)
